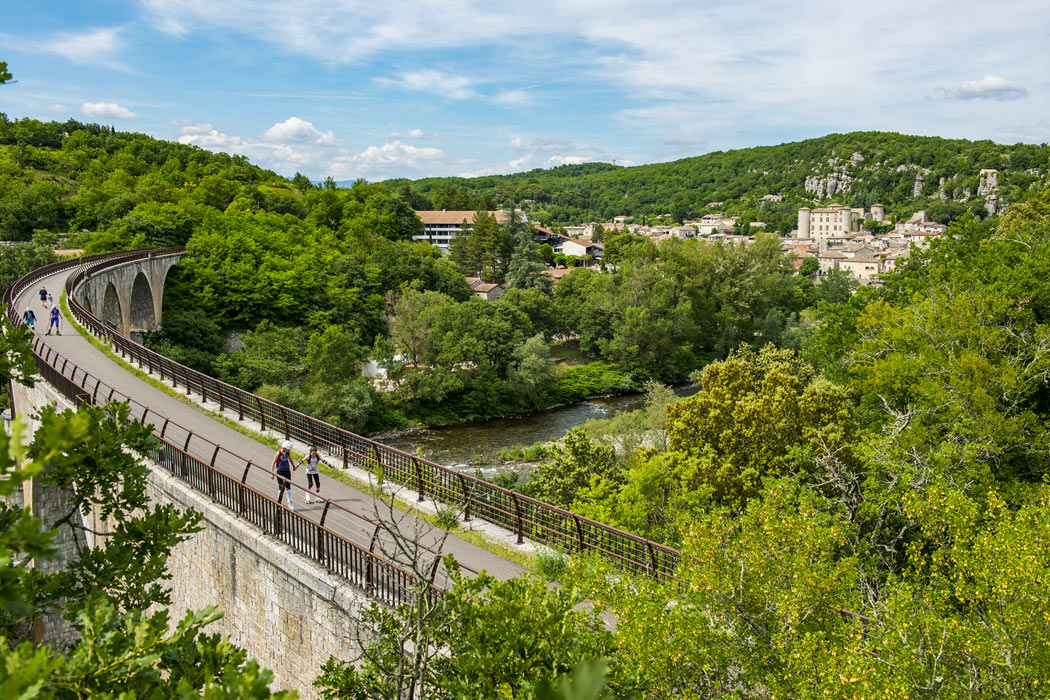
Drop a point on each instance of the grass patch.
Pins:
(551, 564)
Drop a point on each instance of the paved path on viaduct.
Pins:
(357, 529)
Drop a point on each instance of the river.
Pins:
(478, 443)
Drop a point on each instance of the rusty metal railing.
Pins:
(522, 515)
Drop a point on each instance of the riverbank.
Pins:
(478, 444)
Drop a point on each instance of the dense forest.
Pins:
(866, 167)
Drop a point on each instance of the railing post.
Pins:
(244, 477)
(262, 415)
(579, 530)
(164, 428)
(240, 407)
(189, 436)
(287, 428)
(320, 532)
(517, 515)
(652, 557)
(466, 498)
(94, 394)
(346, 451)
(419, 478)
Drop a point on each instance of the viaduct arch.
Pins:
(129, 296)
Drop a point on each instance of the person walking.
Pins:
(30, 318)
(282, 468)
(50, 299)
(313, 475)
(43, 297)
(54, 322)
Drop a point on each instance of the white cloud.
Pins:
(410, 134)
(296, 130)
(555, 161)
(205, 136)
(99, 47)
(391, 157)
(455, 87)
(107, 110)
(58, 108)
(989, 87)
(294, 145)
(512, 98)
(521, 163)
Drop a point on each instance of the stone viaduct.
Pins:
(129, 296)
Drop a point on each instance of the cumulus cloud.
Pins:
(521, 163)
(107, 110)
(296, 130)
(989, 87)
(294, 145)
(434, 82)
(205, 136)
(555, 161)
(60, 108)
(391, 157)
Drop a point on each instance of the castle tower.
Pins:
(846, 219)
(804, 214)
(878, 212)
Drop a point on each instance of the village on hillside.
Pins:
(858, 240)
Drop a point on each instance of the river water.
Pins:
(478, 443)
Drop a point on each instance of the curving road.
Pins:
(358, 525)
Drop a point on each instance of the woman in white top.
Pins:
(313, 475)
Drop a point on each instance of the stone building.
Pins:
(833, 221)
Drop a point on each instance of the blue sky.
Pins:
(458, 87)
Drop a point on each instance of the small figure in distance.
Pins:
(30, 318)
(43, 297)
(282, 468)
(54, 322)
(50, 299)
(313, 476)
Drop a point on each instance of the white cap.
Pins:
(286, 445)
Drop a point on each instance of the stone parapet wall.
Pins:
(288, 612)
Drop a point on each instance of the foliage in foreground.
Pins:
(112, 596)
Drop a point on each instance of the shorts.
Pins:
(313, 480)
(284, 480)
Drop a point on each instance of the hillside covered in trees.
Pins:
(864, 167)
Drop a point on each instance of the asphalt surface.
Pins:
(358, 525)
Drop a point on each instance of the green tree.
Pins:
(577, 463)
(526, 267)
(500, 639)
(113, 593)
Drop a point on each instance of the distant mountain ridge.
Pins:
(903, 172)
